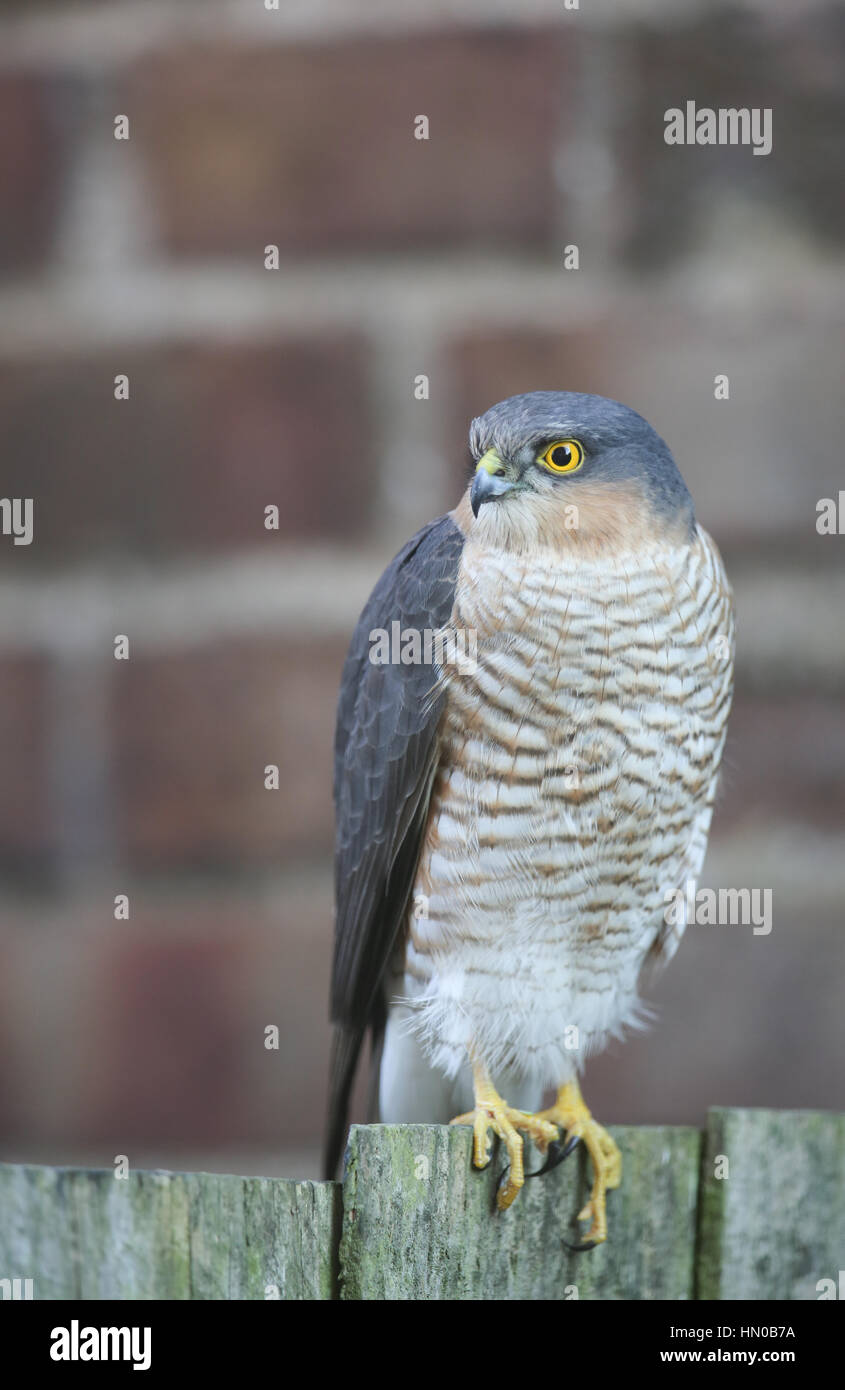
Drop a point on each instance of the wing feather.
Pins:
(386, 751)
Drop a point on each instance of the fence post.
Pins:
(80, 1233)
(752, 1208)
(772, 1206)
(420, 1222)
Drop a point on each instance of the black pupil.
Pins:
(561, 455)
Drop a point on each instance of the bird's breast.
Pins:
(578, 749)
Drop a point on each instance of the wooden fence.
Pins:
(754, 1207)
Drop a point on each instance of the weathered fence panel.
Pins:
(420, 1223)
(773, 1224)
(753, 1208)
(85, 1234)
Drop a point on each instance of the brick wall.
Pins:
(294, 387)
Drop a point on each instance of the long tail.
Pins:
(346, 1048)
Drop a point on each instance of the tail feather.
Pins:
(346, 1048)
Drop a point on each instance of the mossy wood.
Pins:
(754, 1207)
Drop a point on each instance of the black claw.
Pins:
(500, 1182)
(555, 1154)
(579, 1249)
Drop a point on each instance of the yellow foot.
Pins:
(492, 1113)
(570, 1113)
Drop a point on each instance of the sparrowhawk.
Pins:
(518, 797)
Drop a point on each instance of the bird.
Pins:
(523, 779)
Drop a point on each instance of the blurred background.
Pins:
(295, 388)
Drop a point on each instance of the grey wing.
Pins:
(385, 761)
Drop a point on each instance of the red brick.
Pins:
(311, 146)
(29, 171)
(25, 836)
(9, 1057)
(194, 731)
(155, 1026)
(489, 365)
(168, 1040)
(784, 760)
(208, 438)
(286, 979)
(728, 1003)
(790, 63)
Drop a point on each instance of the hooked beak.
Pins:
(491, 480)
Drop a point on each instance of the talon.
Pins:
(556, 1153)
(556, 1132)
(571, 1115)
(491, 1113)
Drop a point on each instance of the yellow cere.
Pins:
(491, 463)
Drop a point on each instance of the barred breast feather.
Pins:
(578, 760)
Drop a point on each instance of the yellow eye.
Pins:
(564, 456)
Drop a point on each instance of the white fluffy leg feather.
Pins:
(411, 1091)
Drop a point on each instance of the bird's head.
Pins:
(560, 469)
